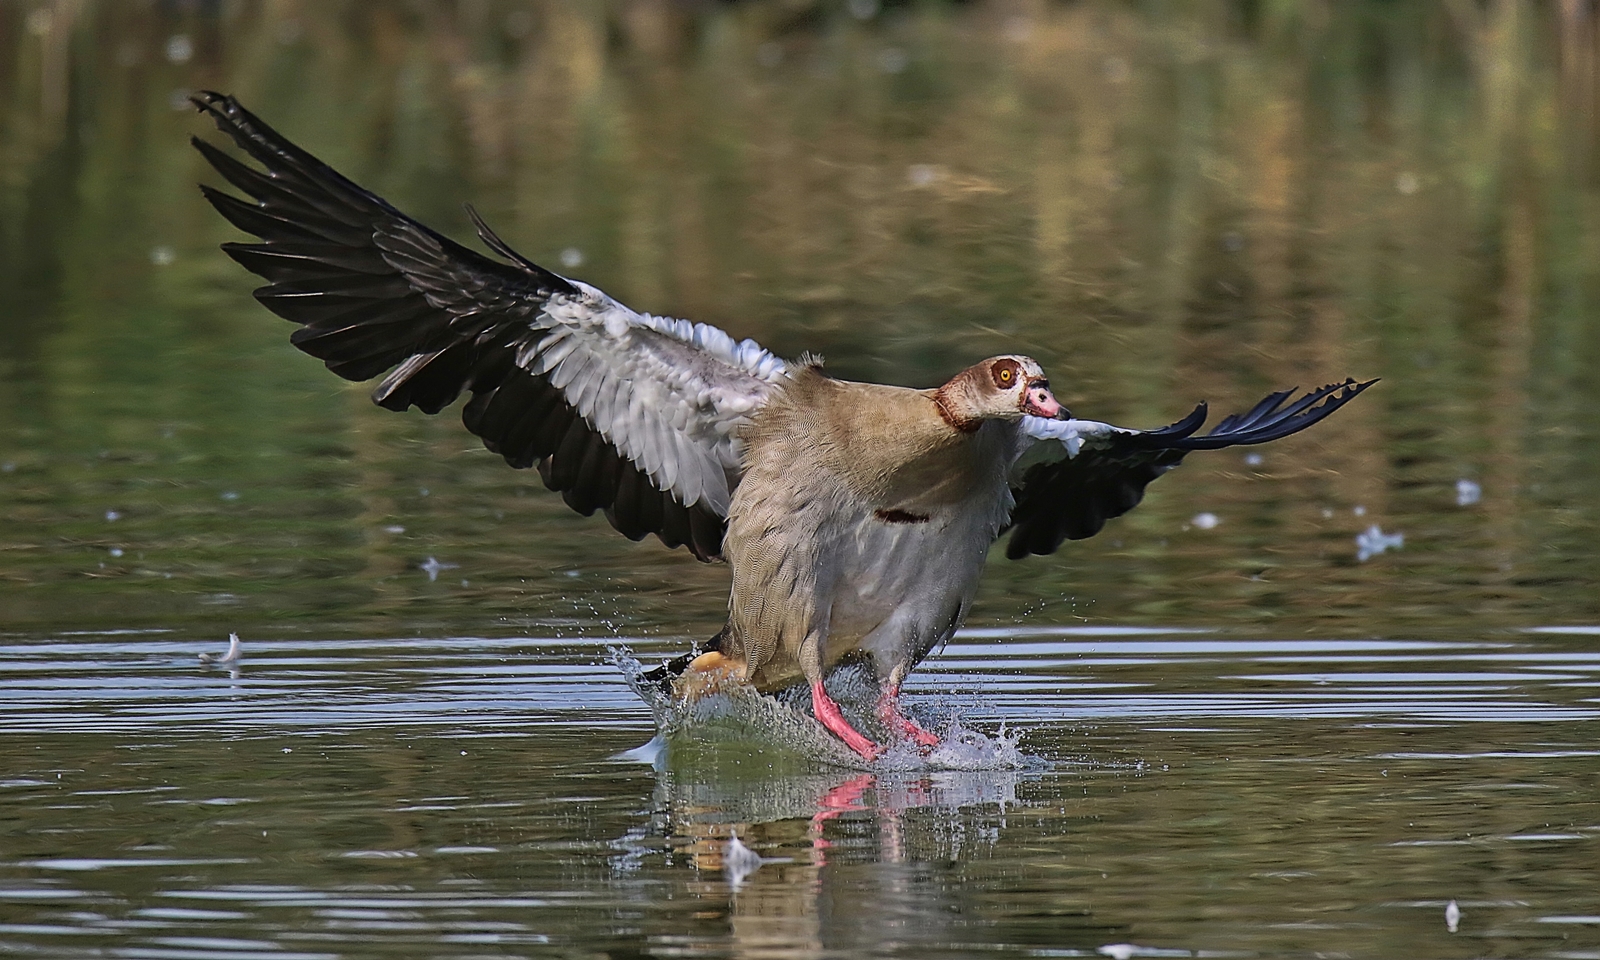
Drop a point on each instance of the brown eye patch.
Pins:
(1006, 373)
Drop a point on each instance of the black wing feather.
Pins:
(374, 290)
(1072, 499)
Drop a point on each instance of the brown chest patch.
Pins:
(900, 516)
(941, 401)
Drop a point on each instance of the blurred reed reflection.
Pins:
(1196, 201)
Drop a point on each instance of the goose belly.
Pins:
(903, 588)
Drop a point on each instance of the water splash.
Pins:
(729, 721)
(962, 748)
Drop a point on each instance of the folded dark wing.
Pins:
(1090, 472)
(626, 412)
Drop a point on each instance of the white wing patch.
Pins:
(670, 395)
(1073, 434)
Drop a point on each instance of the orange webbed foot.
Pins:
(707, 673)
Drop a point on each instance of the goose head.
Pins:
(1000, 388)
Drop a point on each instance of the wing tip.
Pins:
(205, 101)
(554, 281)
(1272, 420)
(1040, 524)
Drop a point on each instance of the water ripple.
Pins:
(128, 683)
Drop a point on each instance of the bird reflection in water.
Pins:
(829, 840)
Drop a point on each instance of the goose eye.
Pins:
(1005, 374)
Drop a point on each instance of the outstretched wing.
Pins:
(621, 411)
(1093, 471)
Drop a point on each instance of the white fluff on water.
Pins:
(1373, 541)
(738, 860)
(232, 656)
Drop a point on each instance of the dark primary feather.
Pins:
(374, 290)
(1071, 499)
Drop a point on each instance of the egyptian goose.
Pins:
(856, 518)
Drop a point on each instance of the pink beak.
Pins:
(1040, 402)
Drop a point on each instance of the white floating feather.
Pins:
(235, 651)
(738, 860)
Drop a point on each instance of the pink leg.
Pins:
(889, 713)
(828, 714)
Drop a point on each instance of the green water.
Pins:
(1249, 741)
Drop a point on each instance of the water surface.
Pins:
(1191, 793)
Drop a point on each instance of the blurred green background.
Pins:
(1163, 202)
